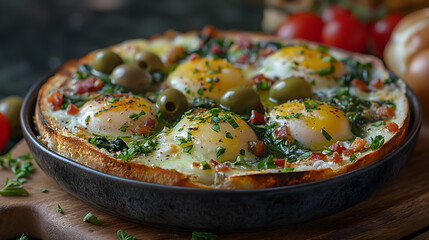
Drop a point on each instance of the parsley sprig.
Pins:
(22, 167)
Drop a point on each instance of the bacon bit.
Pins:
(279, 162)
(317, 156)
(196, 164)
(266, 51)
(175, 54)
(392, 127)
(243, 58)
(257, 118)
(336, 158)
(281, 132)
(244, 42)
(72, 109)
(257, 79)
(208, 31)
(375, 83)
(151, 123)
(221, 168)
(194, 56)
(358, 144)
(384, 111)
(337, 147)
(88, 85)
(56, 99)
(257, 147)
(215, 49)
(147, 128)
(213, 163)
(361, 85)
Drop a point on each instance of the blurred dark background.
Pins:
(39, 35)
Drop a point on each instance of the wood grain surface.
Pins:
(400, 209)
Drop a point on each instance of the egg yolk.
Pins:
(205, 77)
(313, 124)
(313, 59)
(118, 115)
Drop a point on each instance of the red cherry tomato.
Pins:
(380, 32)
(345, 32)
(334, 11)
(305, 25)
(4, 131)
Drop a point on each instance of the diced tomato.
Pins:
(317, 156)
(175, 54)
(193, 56)
(359, 84)
(265, 52)
(208, 31)
(257, 79)
(337, 147)
(279, 162)
(244, 58)
(72, 109)
(257, 118)
(244, 42)
(257, 147)
(392, 127)
(221, 167)
(88, 85)
(196, 164)
(56, 99)
(213, 162)
(384, 111)
(346, 152)
(215, 49)
(358, 144)
(281, 132)
(375, 83)
(336, 158)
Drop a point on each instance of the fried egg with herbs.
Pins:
(333, 112)
(316, 65)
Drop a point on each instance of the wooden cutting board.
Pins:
(400, 209)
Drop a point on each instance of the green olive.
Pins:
(290, 88)
(149, 61)
(105, 61)
(172, 104)
(130, 77)
(10, 107)
(240, 100)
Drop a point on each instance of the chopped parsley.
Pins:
(326, 135)
(91, 219)
(59, 209)
(266, 163)
(124, 236)
(22, 167)
(188, 149)
(215, 127)
(112, 145)
(352, 157)
(233, 123)
(137, 116)
(379, 123)
(113, 100)
(43, 190)
(204, 236)
(242, 152)
(123, 128)
(240, 161)
(228, 135)
(322, 49)
(200, 92)
(205, 165)
(310, 104)
(377, 142)
(219, 152)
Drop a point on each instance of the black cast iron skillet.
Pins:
(215, 210)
